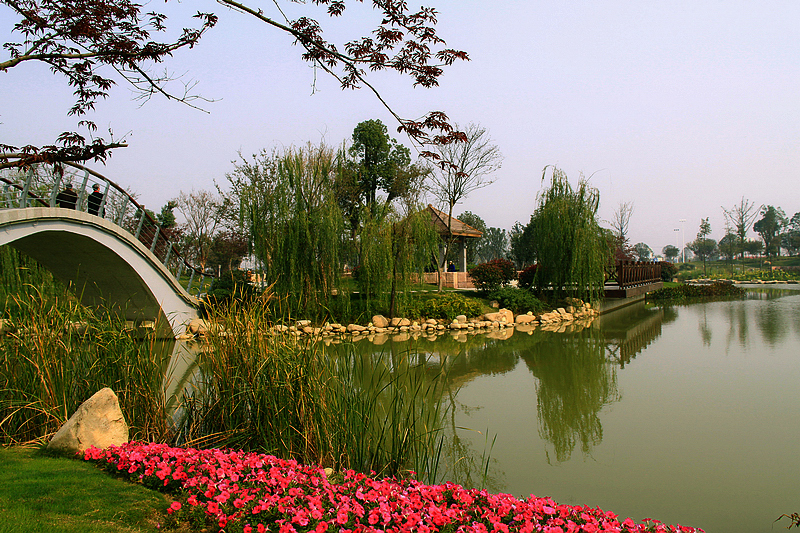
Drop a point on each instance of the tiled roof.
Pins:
(458, 228)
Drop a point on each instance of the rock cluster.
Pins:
(380, 325)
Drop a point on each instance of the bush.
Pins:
(446, 306)
(493, 275)
(231, 285)
(528, 276)
(518, 301)
(685, 292)
(668, 270)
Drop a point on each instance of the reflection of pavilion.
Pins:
(629, 330)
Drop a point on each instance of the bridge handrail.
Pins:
(116, 202)
(633, 273)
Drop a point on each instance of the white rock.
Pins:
(97, 422)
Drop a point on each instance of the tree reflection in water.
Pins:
(575, 381)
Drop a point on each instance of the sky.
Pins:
(680, 107)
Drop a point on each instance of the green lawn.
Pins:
(40, 493)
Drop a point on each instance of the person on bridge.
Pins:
(67, 198)
(95, 200)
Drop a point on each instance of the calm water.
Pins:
(687, 414)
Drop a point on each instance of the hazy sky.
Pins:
(678, 106)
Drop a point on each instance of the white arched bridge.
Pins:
(104, 245)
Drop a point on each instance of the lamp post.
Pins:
(683, 239)
(676, 242)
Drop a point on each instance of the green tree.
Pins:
(472, 245)
(670, 252)
(643, 252)
(520, 246)
(702, 246)
(565, 238)
(790, 239)
(769, 227)
(729, 246)
(494, 244)
(382, 164)
(753, 247)
(288, 208)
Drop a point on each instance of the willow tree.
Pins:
(566, 239)
(288, 207)
(393, 248)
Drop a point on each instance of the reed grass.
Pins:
(253, 389)
(286, 396)
(60, 354)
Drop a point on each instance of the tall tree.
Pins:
(740, 218)
(566, 239)
(382, 164)
(469, 163)
(289, 209)
(200, 210)
(670, 252)
(702, 246)
(643, 251)
(472, 245)
(621, 219)
(494, 244)
(791, 237)
(769, 227)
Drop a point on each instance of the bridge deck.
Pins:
(615, 291)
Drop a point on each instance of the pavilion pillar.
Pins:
(462, 255)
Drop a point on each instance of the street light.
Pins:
(676, 241)
(683, 239)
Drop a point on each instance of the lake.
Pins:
(688, 414)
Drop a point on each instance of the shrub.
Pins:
(528, 276)
(684, 292)
(518, 301)
(668, 270)
(493, 275)
(231, 285)
(447, 306)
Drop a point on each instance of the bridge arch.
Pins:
(105, 264)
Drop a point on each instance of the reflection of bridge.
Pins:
(118, 258)
(630, 330)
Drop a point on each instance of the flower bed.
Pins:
(248, 492)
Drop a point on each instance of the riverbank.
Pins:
(575, 315)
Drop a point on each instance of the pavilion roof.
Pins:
(458, 228)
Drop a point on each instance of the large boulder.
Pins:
(97, 422)
(380, 321)
(503, 315)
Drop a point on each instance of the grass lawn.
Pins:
(40, 493)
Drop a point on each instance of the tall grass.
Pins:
(60, 354)
(253, 390)
(286, 396)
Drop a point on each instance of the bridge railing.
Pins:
(634, 273)
(31, 188)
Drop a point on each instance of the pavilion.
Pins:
(459, 231)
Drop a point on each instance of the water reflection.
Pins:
(575, 375)
(575, 381)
